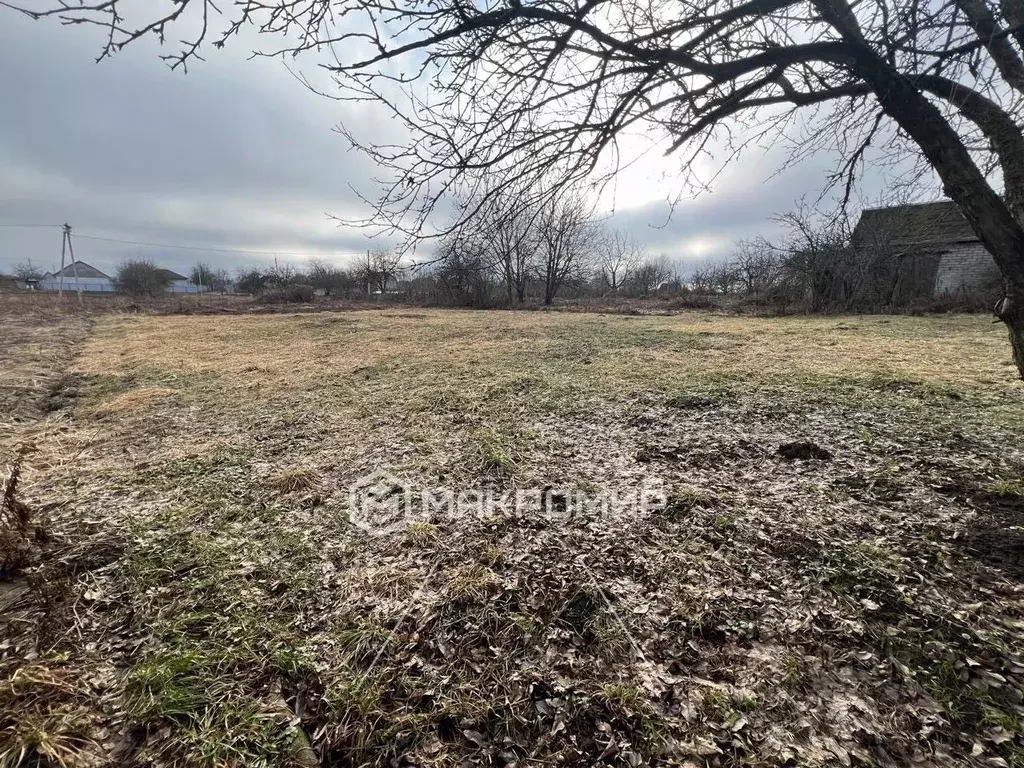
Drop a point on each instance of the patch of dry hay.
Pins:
(133, 400)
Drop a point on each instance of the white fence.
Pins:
(87, 284)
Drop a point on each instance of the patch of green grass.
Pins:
(748, 703)
(527, 626)
(967, 705)
(360, 694)
(45, 719)
(170, 684)
(716, 705)
(56, 738)
(498, 454)
(794, 674)
(1010, 488)
(689, 496)
(609, 637)
(862, 571)
(625, 697)
(229, 733)
(420, 533)
(724, 524)
(471, 582)
(364, 638)
(363, 725)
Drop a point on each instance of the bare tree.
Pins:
(755, 265)
(526, 91)
(202, 275)
(618, 256)
(26, 270)
(462, 269)
(647, 276)
(566, 238)
(326, 277)
(282, 274)
(702, 279)
(220, 281)
(252, 280)
(381, 268)
(141, 277)
(513, 243)
(502, 234)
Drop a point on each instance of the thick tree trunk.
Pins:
(1011, 311)
(997, 125)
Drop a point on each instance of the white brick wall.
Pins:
(965, 267)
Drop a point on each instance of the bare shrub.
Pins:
(142, 277)
(291, 294)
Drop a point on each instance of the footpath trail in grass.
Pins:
(205, 598)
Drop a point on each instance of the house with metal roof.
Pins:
(77, 276)
(936, 243)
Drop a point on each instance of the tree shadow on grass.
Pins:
(996, 537)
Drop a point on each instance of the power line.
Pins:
(199, 248)
(35, 226)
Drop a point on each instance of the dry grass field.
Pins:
(198, 594)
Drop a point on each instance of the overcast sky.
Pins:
(238, 155)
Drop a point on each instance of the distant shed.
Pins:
(937, 239)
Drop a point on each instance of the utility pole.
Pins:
(63, 249)
(67, 246)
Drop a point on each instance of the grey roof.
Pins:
(81, 269)
(938, 223)
(172, 276)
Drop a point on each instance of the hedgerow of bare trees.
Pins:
(514, 252)
(381, 270)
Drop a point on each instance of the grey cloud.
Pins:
(234, 154)
(741, 204)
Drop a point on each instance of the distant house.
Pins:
(934, 242)
(180, 283)
(77, 276)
